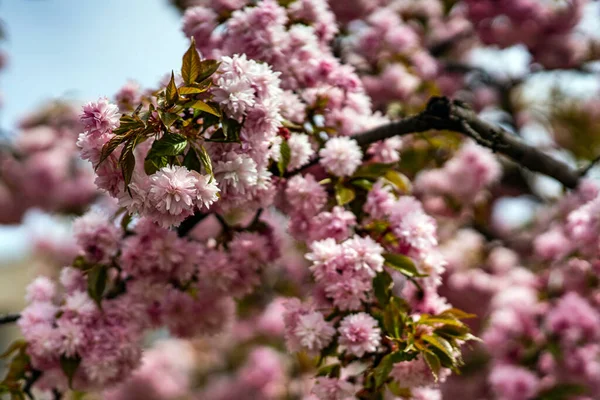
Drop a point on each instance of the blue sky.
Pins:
(83, 49)
(80, 49)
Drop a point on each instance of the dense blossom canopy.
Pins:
(300, 212)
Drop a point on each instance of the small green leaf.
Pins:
(434, 364)
(126, 220)
(172, 95)
(373, 170)
(151, 165)
(332, 371)
(457, 313)
(397, 390)
(284, 157)
(231, 129)
(403, 264)
(17, 345)
(191, 161)
(217, 136)
(97, 279)
(127, 160)
(382, 371)
(440, 344)
(382, 287)
(399, 180)
(562, 391)
(168, 118)
(207, 68)
(127, 123)
(190, 66)
(202, 106)
(206, 161)
(191, 90)
(171, 144)
(69, 366)
(343, 194)
(362, 183)
(110, 146)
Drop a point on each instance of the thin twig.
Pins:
(584, 170)
(9, 318)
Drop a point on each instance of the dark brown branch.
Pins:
(9, 318)
(190, 222)
(584, 170)
(444, 114)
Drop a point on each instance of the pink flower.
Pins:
(334, 389)
(341, 156)
(513, 383)
(313, 332)
(364, 253)
(100, 117)
(305, 195)
(415, 373)
(97, 236)
(574, 319)
(335, 224)
(172, 194)
(359, 334)
(300, 150)
(42, 289)
(206, 189)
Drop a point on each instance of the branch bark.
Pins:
(444, 114)
(9, 318)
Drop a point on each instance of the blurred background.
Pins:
(76, 51)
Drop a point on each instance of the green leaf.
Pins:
(399, 391)
(332, 370)
(97, 279)
(382, 371)
(206, 161)
(207, 68)
(190, 66)
(284, 157)
(171, 144)
(127, 123)
(191, 90)
(399, 180)
(202, 106)
(191, 161)
(126, 220)
(434, 363)
(393, 318)
(69, 366)
(373, 171)
(151, 165)
(110, 146)
(440, 344)
(172, 95)
(452, 331)
(562, 391)
(231, 129)
(362, 183)
(343, 194)
(127, 160)
(168, 118)
(457, 313)
(218, 136)
(403, 264)
(17, 345)
(382, 286)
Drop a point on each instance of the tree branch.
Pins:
(9, 318)
(444, 114)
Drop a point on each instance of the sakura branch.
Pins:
(9, 318)
(444, 114)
